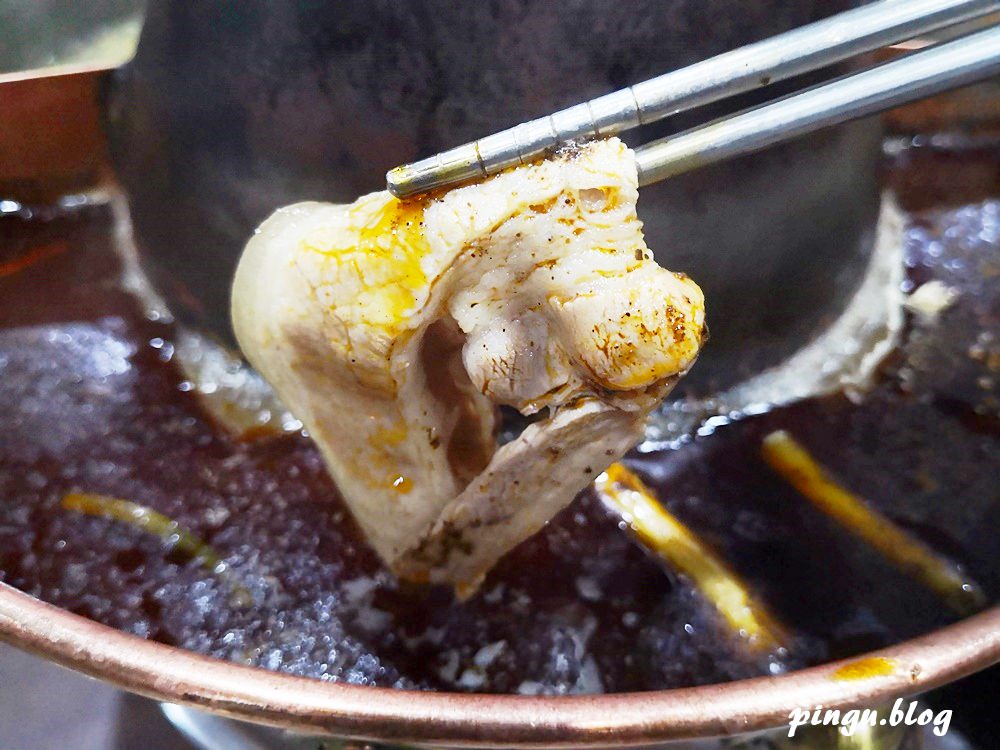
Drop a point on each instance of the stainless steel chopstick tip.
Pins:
(452, 167)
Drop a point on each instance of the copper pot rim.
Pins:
(311, 706)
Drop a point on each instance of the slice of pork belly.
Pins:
(395, 329)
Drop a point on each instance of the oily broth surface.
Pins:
(91, 401)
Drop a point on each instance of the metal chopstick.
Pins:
(792, 53)
(913, 77)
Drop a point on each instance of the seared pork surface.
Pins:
(395, 329)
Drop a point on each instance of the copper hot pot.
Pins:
(165, 142)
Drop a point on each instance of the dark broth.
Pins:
(92, 402)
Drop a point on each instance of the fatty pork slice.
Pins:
(394, 329)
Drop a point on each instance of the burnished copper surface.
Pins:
(51, 138)
(311, 706)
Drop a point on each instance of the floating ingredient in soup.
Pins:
(666, 537)
(172, 533)
(785, 455)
